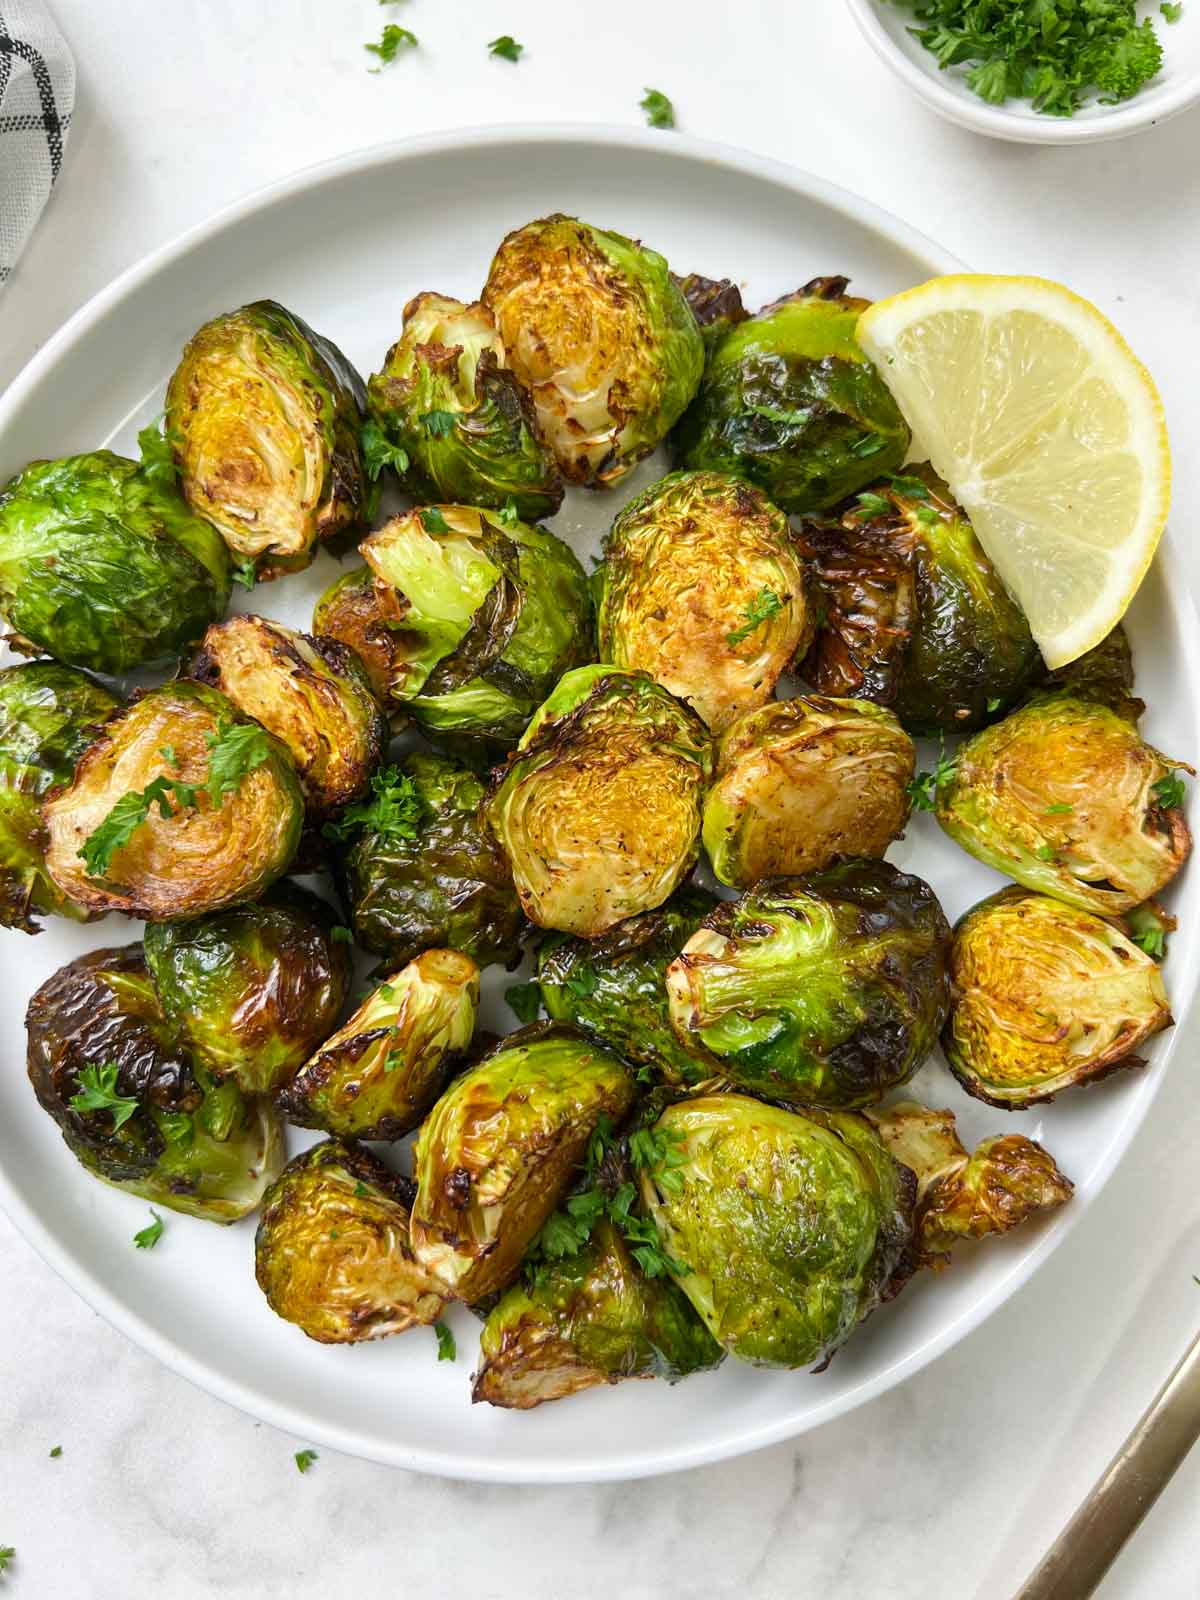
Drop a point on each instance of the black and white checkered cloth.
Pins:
(37, 96)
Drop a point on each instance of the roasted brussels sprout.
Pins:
(589, 1319)
(716, 304)
(311, 693)
(790, 402)
(252, 991)
(1104, 674)
(178, 808)
(1065, 797)
(828, 989)
(447, 401)
(961, 1196)
(103, 566)
(612, 987)
(791, 1228)
(598, 807)
(332, 1252)
(264, 417)
(359, 611)
(376, 1077)
(914, 615)
(802, 782)
(596, 329)
(702, 589)
(491, 615)
(421, 870)
(1045, 996)
(497, 1151)
(48, 717)
(136, 1110)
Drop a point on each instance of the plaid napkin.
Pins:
(37, 96)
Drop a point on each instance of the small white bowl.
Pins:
(885, 26)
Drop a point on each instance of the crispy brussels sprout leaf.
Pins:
(716, 304)
(589, 1319)
(792, 1227)
(497, 1152)
(1104, 674)
(332, 1253)
(376, 1077)
(801, 782)
(598, 808)
(254, 990)
(101, 566)
(1045, 996)
(360, 612)
(828, 989)
(597, 331)
(1065, 797)
(701, 588)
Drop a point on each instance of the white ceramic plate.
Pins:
(346, 245)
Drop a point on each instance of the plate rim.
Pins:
(79, 1275)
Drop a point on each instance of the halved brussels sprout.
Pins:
(359, 611)
(254, 990)
(421, 869)
(828, 989)
(448, 402)
(104, 566)
(598, 808)
(376, 1077)
(138, 830)
(959, 1196)
(802, 782)
(1065, 797)
(612, 987)
(1104, 674)
(792, 1228)
(592, 1318)
(497, 1151)
(491, 615)
(264, 416)
(134, 1109)
(597, 331)
(1045, 996)
(702, 589)
(311, 693)
(48, 717)
(914, 614)
(332, 1252)
(790, 402)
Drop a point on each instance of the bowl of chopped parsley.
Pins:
(1042, 71)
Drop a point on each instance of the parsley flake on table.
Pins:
(506, 47)
(151, 1233)
(392, 40)
(7, 1552)
(98, 1092)
(660, 113)
(524, 1000)
(304, 1459)
(446, 1348)
(56, 1452)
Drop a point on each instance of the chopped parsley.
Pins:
(1172, 10)
(151, 1233)
(660, 113)
(582, 984)
(341, 935)
(392, 810)
(506, 47)
(1153, 941)
(912, 487)
(438, 424)
(872, 504)
(869, 445)
(447, 1349)
(765, 605)
(305, 1459)
(924, 789)
(244, 573)
(235, 750)
(433, 521)
(510, 516)
(1169, 792)
(379, 452)
(1046, 852)
(392, 40)
(994, 703)
(56, 1452)
(360, 1190)
(7, 1552)
(98, 1092)
(524, 1000)
(1061, 809)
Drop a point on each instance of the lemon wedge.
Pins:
(1048, 429)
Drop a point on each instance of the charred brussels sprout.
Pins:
(332, 1253)
(421, 870)
(914, 614)
(1065, 797)
(802, 782)
(134, 1109)
(103, 566)
(592, 1318)
(716, 304)
(790, 402)
(48, 717)
(827, 990)
(702, 589)
(597, 331)
(791, 1227)
(497, 1151)
(178, 808)
(252, 991)
(1045, 996)
(598, 807)
(448, 402)
(491, 614)
(612, 987)
(1103, 674)
(264, 417)
(959, 1196)
(311, 693)
(365, 615)
(376, 1077)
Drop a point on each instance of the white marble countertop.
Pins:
(950, 1485)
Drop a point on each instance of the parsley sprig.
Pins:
(391, 811)
(1169, 792)
(98, 1092)
(924, 789)
(660, 113)
(765, 605)
(447, 1349)
(506, 47)
(146, 1238)
(392, 40)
